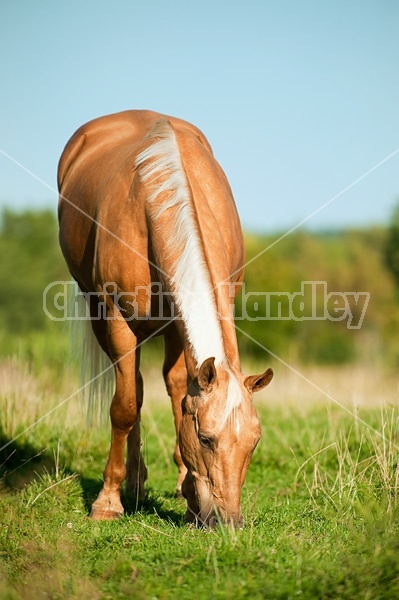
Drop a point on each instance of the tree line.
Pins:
(300, 297)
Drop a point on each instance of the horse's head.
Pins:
(218, 434)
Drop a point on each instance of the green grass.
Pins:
(320, 505)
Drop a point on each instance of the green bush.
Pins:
(348, 261)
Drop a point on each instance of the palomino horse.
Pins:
(144, 204)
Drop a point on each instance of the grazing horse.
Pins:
(144, 206)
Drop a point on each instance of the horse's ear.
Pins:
(255, 383)
(207, 374)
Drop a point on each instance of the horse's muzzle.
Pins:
(215, 519)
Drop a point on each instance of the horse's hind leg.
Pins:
(121, 344)
(175, 375)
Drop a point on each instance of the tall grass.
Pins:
(359, 459)
(320, 501)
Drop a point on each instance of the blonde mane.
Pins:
(160, 165)
(191, 284)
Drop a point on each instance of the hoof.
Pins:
(104, 514)
(106, 508)
(179, 494)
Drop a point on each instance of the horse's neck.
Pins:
(177, 236)
(224, 295)
(208, 330)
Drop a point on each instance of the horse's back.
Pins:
(101, 203)
(110, 131)
(95, 175)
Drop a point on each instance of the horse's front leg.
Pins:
(124, 412)
(175, 376)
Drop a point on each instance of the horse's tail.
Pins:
(97, 378)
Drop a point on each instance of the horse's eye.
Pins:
(206, 442)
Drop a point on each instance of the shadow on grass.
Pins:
(151, 505)
(21, 464)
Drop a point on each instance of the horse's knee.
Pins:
(123, 412)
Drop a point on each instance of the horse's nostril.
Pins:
(234, 522)
(213, 522)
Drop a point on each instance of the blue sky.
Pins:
(298, 99)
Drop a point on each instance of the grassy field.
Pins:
(320, 500)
